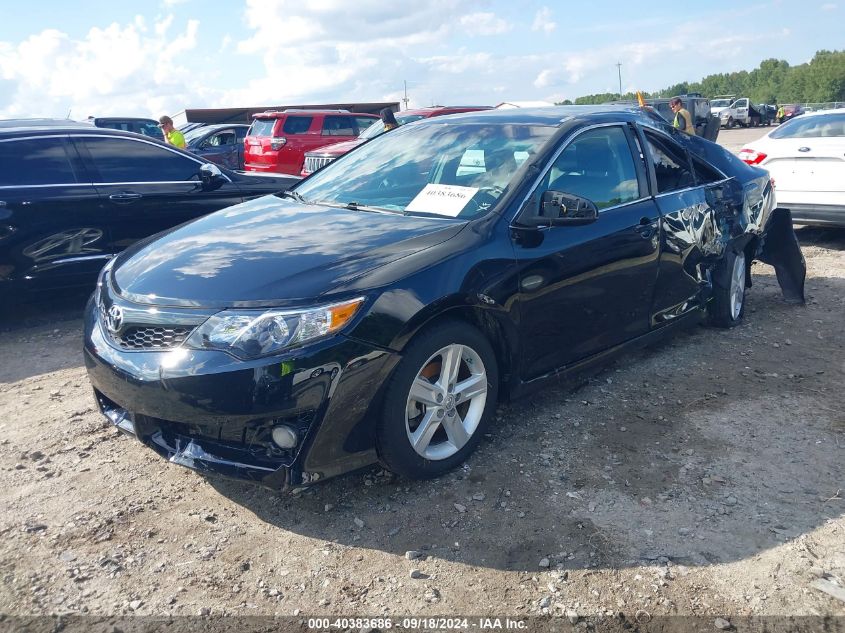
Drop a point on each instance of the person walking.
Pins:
(683, 120)
(780, 114)
(173, 136)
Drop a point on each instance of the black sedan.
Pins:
(72, 196)
(378, 310)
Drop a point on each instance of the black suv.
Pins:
(72, 196)
(706, 123)
(147, 127)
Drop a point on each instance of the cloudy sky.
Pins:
(146, 59)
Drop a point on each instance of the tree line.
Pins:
(775, 81)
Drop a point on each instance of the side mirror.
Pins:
(210, 174)
(558, 208)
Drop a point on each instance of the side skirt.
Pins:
(583, 370)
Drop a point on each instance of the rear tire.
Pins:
(727, 306)
(438, 402)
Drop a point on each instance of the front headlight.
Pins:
(254, 333)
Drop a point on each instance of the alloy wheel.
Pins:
(737, 285)
(446, 402)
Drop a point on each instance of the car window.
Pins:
(262, 127)
(596, 165)
(224, 137)
(363, 122)
(816, 126)
(338, 126)
(240, 133)
(297, 124)
(672, 168)
(42, 161)
(128, 160)
(148, 128)
(705, 173)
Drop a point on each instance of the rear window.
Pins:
(339, 126)
(816, 126)
(297, 124)
(262, 127)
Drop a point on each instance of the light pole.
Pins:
(406, 94)
(619, 68)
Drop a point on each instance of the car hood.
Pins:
(269, 251)
(338, 149)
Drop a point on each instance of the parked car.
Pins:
(379, 309)
(72, 196)
(147, 127)
(278, 140)
(222, 144)
(316, 159)
(768, 113)
(706, 124)
(806, 159)
(790, 112)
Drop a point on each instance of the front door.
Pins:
(146, 188)
(584, 289)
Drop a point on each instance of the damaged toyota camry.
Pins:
(378, 310)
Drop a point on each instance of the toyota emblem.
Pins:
(114, 319)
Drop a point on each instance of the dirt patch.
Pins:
(701, 476)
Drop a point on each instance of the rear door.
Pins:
(584, 289)
(52, 230)
(690, 230)
(146, 187)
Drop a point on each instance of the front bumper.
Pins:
(210, 412)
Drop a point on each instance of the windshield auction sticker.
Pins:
(442, 199)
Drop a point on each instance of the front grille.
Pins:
(313, 163)
(159, 337)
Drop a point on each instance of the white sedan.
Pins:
(806, 159)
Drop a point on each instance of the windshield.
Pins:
(451, 170)
(720, 103)
(378, 127)
(813, 126)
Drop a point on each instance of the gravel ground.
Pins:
(702, 476)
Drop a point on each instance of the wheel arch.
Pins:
(495, 324)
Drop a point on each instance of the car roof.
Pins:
(276, 114)
(213, 127)
(31, 123)
(74, 128)
(434, 109)
(549, 116)
(123, 118)
(816, 113)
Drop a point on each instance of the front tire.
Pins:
(438, 402)
(728, 304)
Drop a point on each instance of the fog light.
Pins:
(284, 437)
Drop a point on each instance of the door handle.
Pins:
(645, 228)
(125, 198)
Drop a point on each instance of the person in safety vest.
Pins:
(780, 114)
(683, 120)
(173, 136)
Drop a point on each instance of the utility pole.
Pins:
(406, 94)
(619, 68)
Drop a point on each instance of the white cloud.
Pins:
(484, 24)
(829, 6)
(543, 21)
(119, 69)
